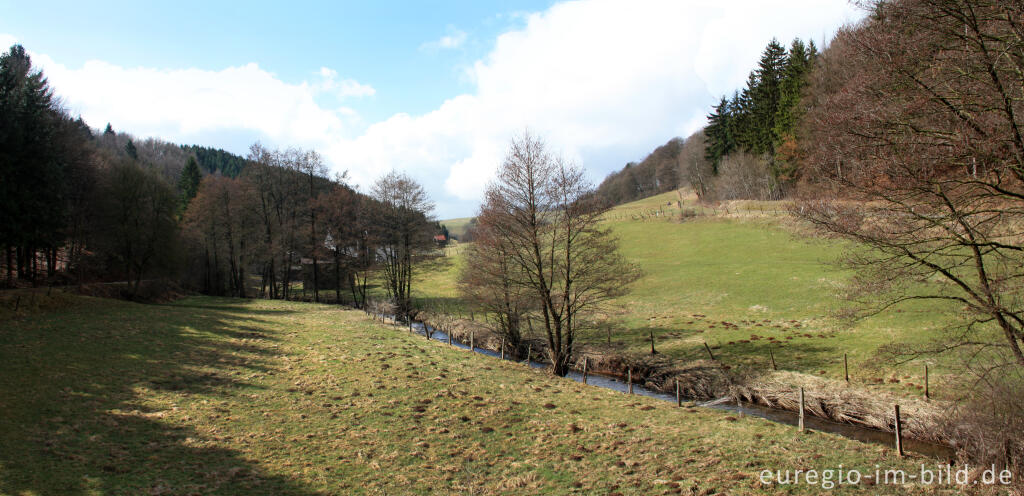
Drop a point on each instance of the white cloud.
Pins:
(183, 103)
(6, 40)
(454, 39)
(603, 81)
(343, 88)
(591, 77)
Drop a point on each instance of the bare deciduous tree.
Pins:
(224, 218)
(927, 137)
(138, 210)
(546, 217)
(312, 167)
(345, 215)
(490, 282)
(402, 229)
(916, 124)
(694, 167)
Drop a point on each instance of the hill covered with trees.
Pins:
(747, 146)
(83, 206)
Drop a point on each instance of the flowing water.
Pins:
(811, 422)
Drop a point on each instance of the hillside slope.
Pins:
(738, 277)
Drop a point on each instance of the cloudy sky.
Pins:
(432, 88)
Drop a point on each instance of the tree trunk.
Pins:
(337, 276)
(272, 279)
(51, 262)
(208, 277)
(20, 260)
(10, 266)
(34, 267)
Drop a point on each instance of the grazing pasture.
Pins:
(230, 396)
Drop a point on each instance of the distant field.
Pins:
(226, 396)
(734, 278)
(457, 227)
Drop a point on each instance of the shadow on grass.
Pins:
(73, 418)
(441, 304)
(227, 306)
(800, 353)
(438, 263)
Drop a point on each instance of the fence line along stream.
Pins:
(787, 417)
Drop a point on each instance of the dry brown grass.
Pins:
(841, 402)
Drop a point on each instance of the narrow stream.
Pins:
(811, 422)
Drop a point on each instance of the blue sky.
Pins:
(432, 88)
(381, 42)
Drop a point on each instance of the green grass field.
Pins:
(743, 282)
(224, 396)
(457, 227)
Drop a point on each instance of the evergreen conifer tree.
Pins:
(189, 181)
(129, 148)
(765, 88)
(719, 134)
(31, 189)
(794, 80)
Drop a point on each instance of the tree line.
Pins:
(747, 148)
(84, 206)
(283, 223)
(72, 205)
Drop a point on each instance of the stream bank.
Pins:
(830, 406)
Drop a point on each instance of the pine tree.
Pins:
(129, 148)
(83, 127)
(765, 88)
(793, 82)
(788, 113)
(32, 189)
(719, 139)
(189, 181)
(109, 131)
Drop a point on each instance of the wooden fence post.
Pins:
(503, 348)
(899, 432)
(927, 393)
(801, 409)
(472, 341)
(706, 347)
(846, 367)
(652, 342)
(529, 351)
(679, 399)
(629, 379)
(585, 360)
(449, 332)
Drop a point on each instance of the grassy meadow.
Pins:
(740, 279)
(457, 227)
(226, 396)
